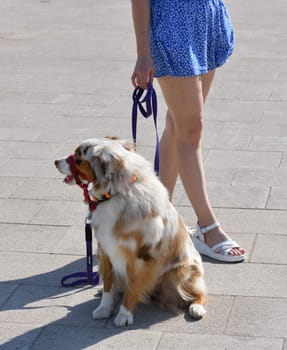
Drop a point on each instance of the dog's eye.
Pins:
(78, 161)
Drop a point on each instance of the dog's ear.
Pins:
(106, 164)
(127, 144)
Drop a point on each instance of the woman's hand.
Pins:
(143, 72)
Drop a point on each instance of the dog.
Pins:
(144, 248)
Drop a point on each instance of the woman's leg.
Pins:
(168, 171)
(181, 146)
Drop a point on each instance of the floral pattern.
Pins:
(189, 37)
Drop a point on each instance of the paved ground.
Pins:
(64, 76)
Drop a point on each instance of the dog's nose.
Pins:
(56, 163)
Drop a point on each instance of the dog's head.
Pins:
(101, 162)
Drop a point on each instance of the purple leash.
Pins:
(88, 277)
(150, 108)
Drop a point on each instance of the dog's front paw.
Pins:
(123, 318)
(102, 312)
(196, 310)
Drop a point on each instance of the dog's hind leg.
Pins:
(105, 309)
(195, 286)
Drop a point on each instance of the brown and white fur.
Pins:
(144, 247)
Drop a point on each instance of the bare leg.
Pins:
(181, 139)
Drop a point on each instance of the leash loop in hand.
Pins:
(147, 105)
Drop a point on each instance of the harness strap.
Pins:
(150, 101)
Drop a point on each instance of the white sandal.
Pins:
(219, 251)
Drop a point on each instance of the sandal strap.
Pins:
(224, 247)
(200, 231)
(209, 227)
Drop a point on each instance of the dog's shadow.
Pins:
(33, 293)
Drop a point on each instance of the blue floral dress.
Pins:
(189, 37)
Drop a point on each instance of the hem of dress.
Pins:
(193, 74)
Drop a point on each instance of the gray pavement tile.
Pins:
(19, 134)
(241, 111)
(255, 129)
(18, 336)
(242, 159)
(283, 163)
(270, 249)
(29, 168)
(49, 305)
(73, 242)
(56, 213)
(18, 210)
(253, 221)
(35, 150)
(259, 280)
(8, 185)
(234, 196)
(276, 116)
(6, 289)
(258, 317)
(242, 90)
(261, 177)
(47, 189)
(89, 338)
(88, 129)
(279, 91)
(174, 341)
(30, 238)
(219, 175)
(153, 318)
(218, 141)
(39, 268)
(277, 199)
(268, 143)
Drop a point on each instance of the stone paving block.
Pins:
(268, 143)
(50, 305)
(270, 249)
(19, 134)
(276, 116)
(220, 175)
(261, 177)
(241, 111)
(255, 129)
(18, 336)
(60, 213)
(18, 210)
(73, 242)
(48, 189)
(39, 269)
(279, 93)
(277, 199)
(6, 289)
(175, 341)
(89, 338)
(30, 238)
(35, 150)
(260, 280)
(253, 221)
(229, 196)
(242, 159)
(215, 141)
(258, 317)
(29, 168)
(153, 318)
(8, 185)
(241, 90)
(283, 163)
